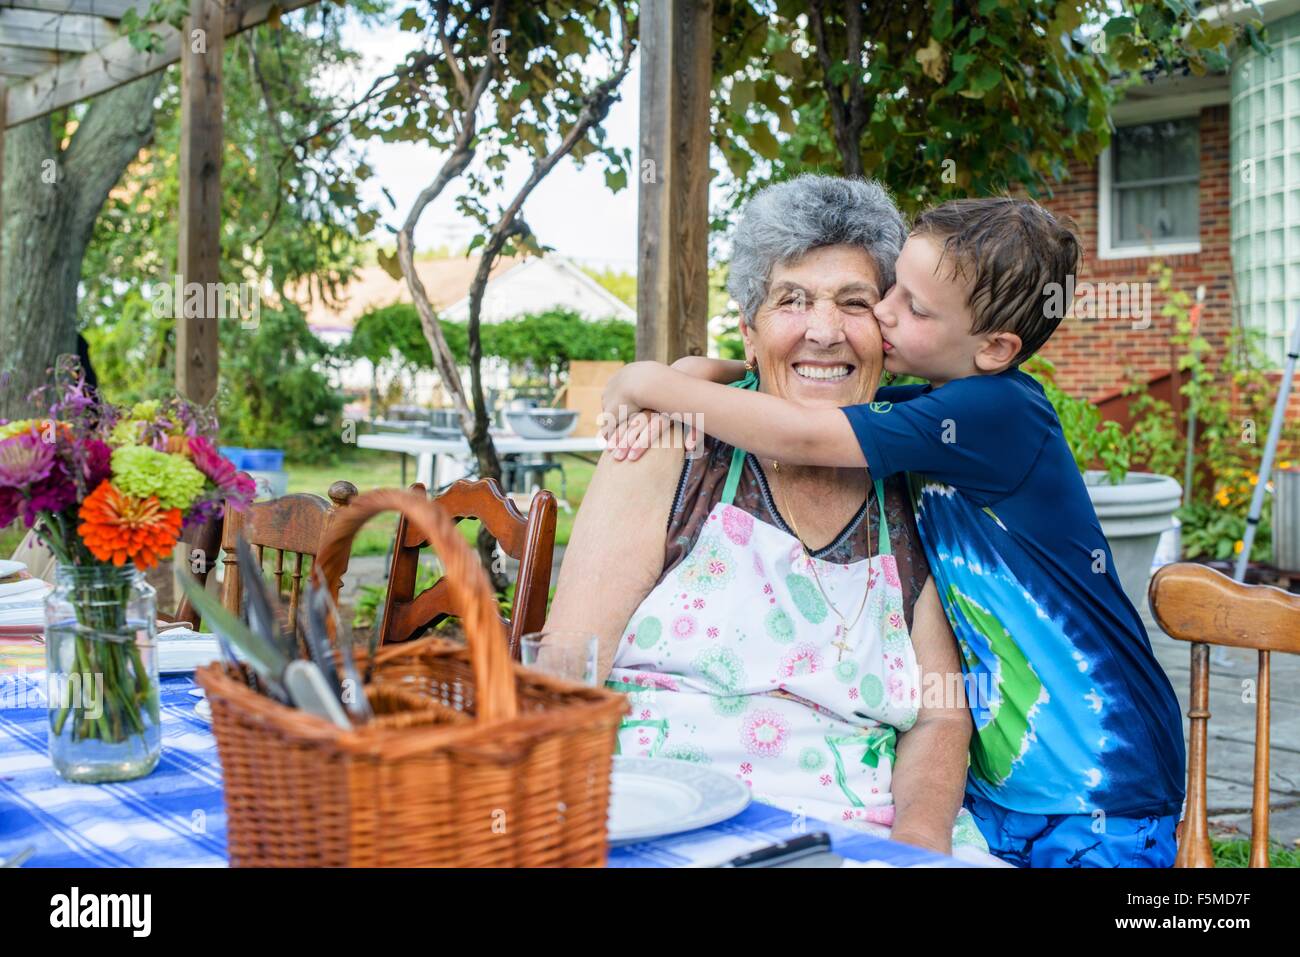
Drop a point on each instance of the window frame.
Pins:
(1105, 201)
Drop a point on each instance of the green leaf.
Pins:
(616, 179)
(410, 20)
(1119, 26)
(388, 262)
(1202, 36)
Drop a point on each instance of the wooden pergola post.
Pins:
(199, 246)
(673, 200)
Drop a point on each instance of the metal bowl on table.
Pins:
(542, 423)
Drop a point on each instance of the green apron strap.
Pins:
(882, 546)
(750, 381)
(733, 476)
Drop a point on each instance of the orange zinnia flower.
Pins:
(116, 526)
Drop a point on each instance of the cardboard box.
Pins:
(587, 382)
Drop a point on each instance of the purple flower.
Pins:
(25, 459)
(11, 501)
(97, 464)
(204, 510)
(54, 494)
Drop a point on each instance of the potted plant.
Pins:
(108, 491)
(1134, 508)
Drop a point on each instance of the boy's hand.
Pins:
(629, 438)
(618, 401)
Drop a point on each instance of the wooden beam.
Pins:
(20, 61)
(673, 207)
(112, 9)
(119, 63)
(65, 32)
(199, 246)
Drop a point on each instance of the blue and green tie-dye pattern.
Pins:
(1072, 711)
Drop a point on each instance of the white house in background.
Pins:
(537, 285)
(515, 287)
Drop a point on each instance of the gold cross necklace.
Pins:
(841, 643)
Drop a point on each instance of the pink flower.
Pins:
(712, 632)
(764, 733)
(737, 525)
(895, 686)
(890, 566)
(803, 659)
(238, 488)
(683, 626)
(25, 459)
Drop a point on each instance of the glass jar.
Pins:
(100, 652)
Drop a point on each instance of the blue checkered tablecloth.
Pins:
(174, 817)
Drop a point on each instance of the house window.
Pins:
(1151, 196)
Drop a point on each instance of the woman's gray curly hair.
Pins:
(787, 220)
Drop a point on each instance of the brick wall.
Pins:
(1096, 357)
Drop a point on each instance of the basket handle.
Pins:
(494, 694)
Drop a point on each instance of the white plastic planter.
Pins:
(1134, 514)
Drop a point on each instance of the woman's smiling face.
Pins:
(815, 338)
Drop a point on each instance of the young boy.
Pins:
(1078, 758)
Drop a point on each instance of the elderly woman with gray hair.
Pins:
(782, 626)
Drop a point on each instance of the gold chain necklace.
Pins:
(842, 642)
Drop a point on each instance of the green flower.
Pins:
(141, 471)
(126, 432)
(811, 759)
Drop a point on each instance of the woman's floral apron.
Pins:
(736, 660)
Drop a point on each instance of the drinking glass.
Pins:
(570, 655)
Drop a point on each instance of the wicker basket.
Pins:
(471, 760)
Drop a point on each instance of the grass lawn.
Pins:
(369, 469)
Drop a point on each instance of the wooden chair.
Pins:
(531, 540)
(1198, 604)
(292, 525)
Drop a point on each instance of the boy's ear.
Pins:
(998, 352)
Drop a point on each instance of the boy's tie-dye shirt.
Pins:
(1072, 711)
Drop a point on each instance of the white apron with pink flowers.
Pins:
(737, 661)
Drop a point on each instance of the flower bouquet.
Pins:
(109, 490)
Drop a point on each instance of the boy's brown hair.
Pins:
(1012, 250)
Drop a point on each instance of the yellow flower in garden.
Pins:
(1254, 480)
(1238, 546)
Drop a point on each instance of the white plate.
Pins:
(654, 797)
(8, 567)
(185, 651)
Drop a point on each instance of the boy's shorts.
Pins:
(1074, 840)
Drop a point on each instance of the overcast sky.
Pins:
(571, 210)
